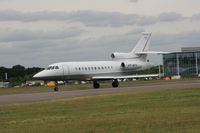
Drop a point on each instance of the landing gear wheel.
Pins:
(115, 84)
(56, 88)
(96, 85)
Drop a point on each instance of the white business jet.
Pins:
(122, 66)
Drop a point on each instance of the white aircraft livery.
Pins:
(122, 66)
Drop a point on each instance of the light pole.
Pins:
(6, 76)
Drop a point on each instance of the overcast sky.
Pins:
(41, 32)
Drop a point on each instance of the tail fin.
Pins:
(143, 43)
(139, 50)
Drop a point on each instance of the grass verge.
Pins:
(163, 111)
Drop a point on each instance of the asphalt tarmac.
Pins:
(36, 97)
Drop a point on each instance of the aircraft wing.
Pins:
(125, 77)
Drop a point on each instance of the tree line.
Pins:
(18, 74)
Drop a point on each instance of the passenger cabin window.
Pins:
(86, 68)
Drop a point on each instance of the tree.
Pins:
(18, 74)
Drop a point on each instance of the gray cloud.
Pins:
(174, 42)
(109, 19)
(12, 15)
(134, 1)
(44, 52)
(136, 31)
(40, 48)
(27, 35)
(170, 16)
(195, 17)
(90, 18)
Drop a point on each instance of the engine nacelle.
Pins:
(117, 55)
(130, 65)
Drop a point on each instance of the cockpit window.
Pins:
(56, 67)
(52, 67)
(49, 68)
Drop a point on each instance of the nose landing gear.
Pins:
(56, 86)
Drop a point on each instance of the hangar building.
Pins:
(185, 63)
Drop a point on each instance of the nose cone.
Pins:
(35, 76)
(38, 75)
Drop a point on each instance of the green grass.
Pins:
(163, 111)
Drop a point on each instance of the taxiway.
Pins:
(36, 97)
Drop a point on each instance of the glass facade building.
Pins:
(182, 63)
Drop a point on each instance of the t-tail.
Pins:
(140, 50)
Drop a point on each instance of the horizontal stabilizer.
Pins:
(152, 52)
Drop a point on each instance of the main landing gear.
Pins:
(115, 83)
(96, 85)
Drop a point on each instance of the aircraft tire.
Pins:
(115, 84)
(96, 85)
(56, 89)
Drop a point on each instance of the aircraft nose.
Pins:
(37, 75)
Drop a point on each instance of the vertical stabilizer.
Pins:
(139, 50)
(143, 43)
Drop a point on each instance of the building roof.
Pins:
(190, 49)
